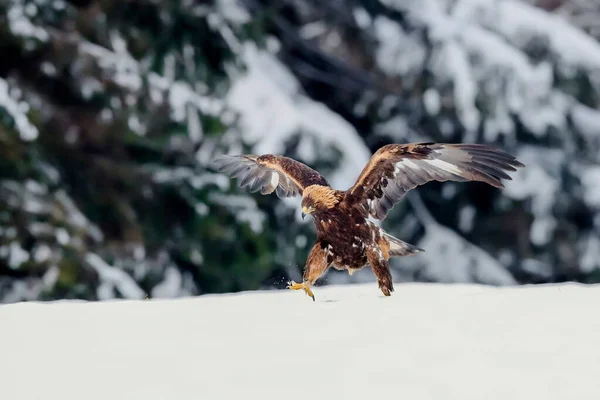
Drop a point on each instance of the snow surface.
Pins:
(427, 341)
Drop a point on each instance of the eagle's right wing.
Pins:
(269, 173)
(397, 168)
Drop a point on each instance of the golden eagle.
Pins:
(346, 238)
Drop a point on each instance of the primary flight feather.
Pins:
(346, 239)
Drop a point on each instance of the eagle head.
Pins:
(318, 198)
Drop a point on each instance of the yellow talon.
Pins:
(304, 286)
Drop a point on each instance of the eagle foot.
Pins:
(304, 286)
(386, 287)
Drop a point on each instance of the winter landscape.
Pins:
(131, 268)
(428, 341)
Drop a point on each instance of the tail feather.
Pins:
(401, 248)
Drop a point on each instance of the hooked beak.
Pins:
(306, 211)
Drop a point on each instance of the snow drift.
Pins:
(425, 342)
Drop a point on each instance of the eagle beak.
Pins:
(306, 211)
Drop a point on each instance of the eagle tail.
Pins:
(401, 248)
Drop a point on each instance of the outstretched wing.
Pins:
(269, 173)
(397, 168)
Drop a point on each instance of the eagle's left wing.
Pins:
(397, 168)
(269, 173)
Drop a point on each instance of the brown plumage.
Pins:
(346, 239)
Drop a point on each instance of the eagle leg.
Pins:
(381, 269)
(304, 286)
(316, 265)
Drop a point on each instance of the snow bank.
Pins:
(425, 342)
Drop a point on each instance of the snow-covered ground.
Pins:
(428, 341)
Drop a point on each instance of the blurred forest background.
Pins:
(111, 112)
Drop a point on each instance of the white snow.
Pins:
(18, 111)
(398, 52)
(232, 11)
(542, 230)
(537, 268)
(483, 49)
(587, 121)
(466, 218)
(113, 278)
(244, 209)
(425, 342)
(449, 257)
(17, 255)
(452, 63)
(21, 25)
(590, 177)
(362, 17)
(519, 22)
(171, 286)
(127, 72)
(539, 181)
(431, 100)
(588, 256)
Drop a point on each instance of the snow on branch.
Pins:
(448, 257)
(18, 112)
(501, 58)
(111, 278)
(20, 24)
(273, 109)
(129, 74)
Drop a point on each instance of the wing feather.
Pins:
(397, 168)
(269, 173)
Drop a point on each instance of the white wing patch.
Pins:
(408, 173)
(407, 164)
(398, 172)
(284, 185)
(274, 179)
(444, 166)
